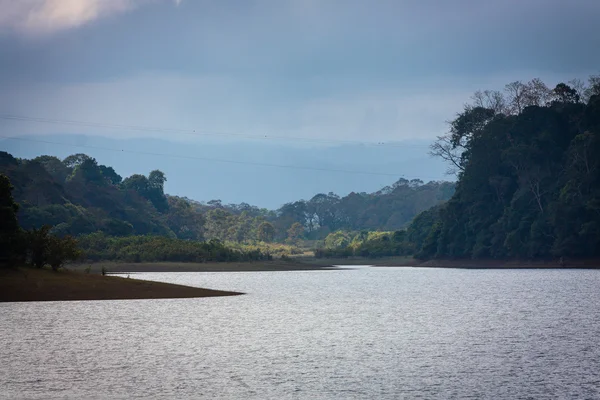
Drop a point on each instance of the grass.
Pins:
(30, 284)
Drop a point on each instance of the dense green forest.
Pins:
(528, 166)
(78, 196)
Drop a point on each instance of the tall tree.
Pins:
(265, 232)
(295, 233)
(74, 160)
(10, 233)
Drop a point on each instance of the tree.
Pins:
(593, 88)
(137, 182)
(38, 240)
(157, 180)
(324, 211)
(75, 160)
(537, 93)
(184, 220)
(54, 166)
(10, 232)
(490, 99)
(217, 223)
(563, 93)
(156, 194)
(88, 171)
(295, 233)
(150, 188)
(517, 96)
(470, 122)
(265, 232)
(443, 148)
(336, 240)
(110, 175)
(61, 250)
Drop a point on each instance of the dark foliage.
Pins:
(529, 187)
(11, 236)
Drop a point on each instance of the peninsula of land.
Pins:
(32, 284)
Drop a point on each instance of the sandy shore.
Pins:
(29, 284)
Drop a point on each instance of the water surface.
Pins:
(362, 333)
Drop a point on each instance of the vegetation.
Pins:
(391, 208)
(36, 246)
(77, 196)
(528, 166)
(365, 244)
(98, 246)
(10, 232)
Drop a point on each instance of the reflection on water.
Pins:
(360, 333)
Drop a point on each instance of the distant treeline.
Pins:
(78, 196)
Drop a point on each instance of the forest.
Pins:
(528, 167)
(77, 196)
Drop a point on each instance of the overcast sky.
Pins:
(336, 69)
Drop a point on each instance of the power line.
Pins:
(195, 132)
(209, 159)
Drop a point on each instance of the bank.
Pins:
(31, 284)
(254, 266)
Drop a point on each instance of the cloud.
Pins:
(220, 103)
(215, 103)
(39, 17)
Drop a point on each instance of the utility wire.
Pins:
(209, 159)
(194, 132)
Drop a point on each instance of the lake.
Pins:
(360, 333)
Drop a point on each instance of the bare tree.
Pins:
(579, 86)
(491, 99)
(516, 93)
(537, 93)
(593, 88)
(447, 151)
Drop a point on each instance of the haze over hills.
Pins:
(242, 180)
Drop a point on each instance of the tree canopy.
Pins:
(529, 177)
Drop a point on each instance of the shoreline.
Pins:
(510, 264)
(251, 266)
(409, 262)
(30, 284)
(314, 264)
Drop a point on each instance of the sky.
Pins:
(340, 70)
